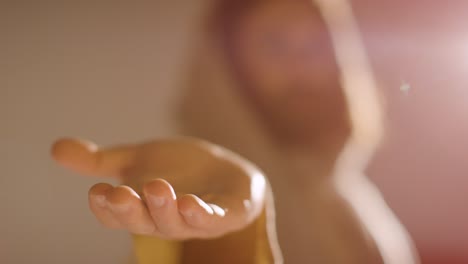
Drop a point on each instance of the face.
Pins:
(284, 53)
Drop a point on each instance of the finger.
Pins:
(230, 213)
(85, 157)
(98, 205)
(162, 204)
(245, 195)
(207, 218)
(130, 211)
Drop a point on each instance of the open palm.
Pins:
(174, 189)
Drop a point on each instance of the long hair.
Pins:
(213, 109)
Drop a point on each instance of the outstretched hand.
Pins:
(174, 189)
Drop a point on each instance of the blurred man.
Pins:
(285, 84)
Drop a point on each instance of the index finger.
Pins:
(86, 158)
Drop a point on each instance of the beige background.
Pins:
(106, 72)
(109, 72)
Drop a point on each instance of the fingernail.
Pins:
(100, 200)
(218, 210)
(157, 201)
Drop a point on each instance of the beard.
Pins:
(304, 115)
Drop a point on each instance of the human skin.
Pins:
(175, 189)
(298, 97)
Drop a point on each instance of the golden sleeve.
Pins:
(248, 246)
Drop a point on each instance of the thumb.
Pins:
(86, 158)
